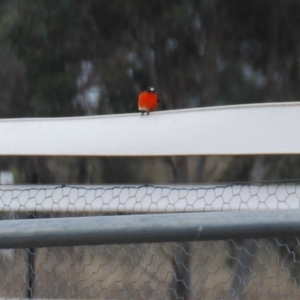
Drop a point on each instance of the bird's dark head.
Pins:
(150, 89)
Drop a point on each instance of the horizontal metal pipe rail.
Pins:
(148, 228)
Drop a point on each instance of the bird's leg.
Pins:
(142, 113)
(148, 113)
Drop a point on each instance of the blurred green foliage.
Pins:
(82, 57)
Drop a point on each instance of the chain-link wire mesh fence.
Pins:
(225, 269)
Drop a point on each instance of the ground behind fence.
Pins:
(236, 268)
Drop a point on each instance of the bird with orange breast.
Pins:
(148, 101)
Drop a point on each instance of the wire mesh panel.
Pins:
(148, 199)
(229, 269)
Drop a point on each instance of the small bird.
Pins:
(148, 101)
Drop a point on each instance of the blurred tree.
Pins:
(63, 58)
(51, 41)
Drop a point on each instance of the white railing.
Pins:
(270, 128)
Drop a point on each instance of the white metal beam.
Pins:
(269, 128)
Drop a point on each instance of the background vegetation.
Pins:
(70, 58)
